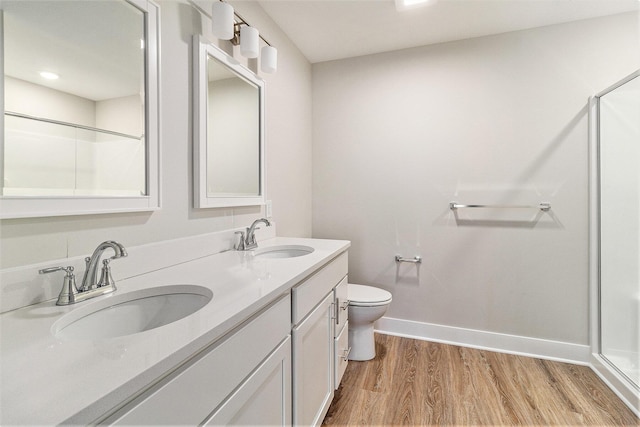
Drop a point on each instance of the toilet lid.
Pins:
(367, 295)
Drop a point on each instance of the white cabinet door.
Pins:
(313, 365)
(264, 398)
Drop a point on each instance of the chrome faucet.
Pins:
(90, 279)
(91, 287)
(248, 241)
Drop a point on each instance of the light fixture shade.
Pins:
(49, 75)
(269, 59)
(222, 20)
(402, 5)
(249, 41)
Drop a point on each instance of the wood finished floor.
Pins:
(412, 382)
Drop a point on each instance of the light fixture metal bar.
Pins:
(239, 18)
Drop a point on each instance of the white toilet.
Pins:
(366, 305)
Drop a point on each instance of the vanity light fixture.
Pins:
(222, 24)
(228, 25)
(249, 41)
(412, 4)
(49, 75)
(269, 59)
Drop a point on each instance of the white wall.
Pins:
(124, 115)
(21, 96)
(288, 136)
(500, 119)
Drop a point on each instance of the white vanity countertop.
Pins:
(46, 380)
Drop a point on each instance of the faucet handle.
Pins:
(239, 246)
(68, 270)
(69, 290)
(251, 237)
(105, 277)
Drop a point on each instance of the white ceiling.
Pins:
(323, 30)
(326, 30)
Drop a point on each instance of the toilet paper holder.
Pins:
(415, 260)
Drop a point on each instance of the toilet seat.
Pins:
(367, 296)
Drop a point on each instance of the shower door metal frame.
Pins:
(628, 391)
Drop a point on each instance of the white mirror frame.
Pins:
(44, 206)
(202, 49)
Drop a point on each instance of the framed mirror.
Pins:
(80, 98)
(228, 130)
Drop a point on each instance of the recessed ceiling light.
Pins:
(412, 4)
(49, 75)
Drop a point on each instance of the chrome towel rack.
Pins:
(543, 206)
(416, 259)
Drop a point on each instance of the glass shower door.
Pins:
(619, 149)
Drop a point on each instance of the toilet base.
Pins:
(362, 343)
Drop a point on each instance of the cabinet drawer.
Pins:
(341, 354)
(190, 395)
(308, 293)
(342, 305)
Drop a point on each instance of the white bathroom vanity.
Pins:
(263, 350)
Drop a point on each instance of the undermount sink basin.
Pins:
(132, 312)
(283, 251)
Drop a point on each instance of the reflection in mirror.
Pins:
(228, 150)
(233, 123)
(79, 128)
(80, 106)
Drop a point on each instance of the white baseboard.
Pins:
(622, 387)
(503, 343)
